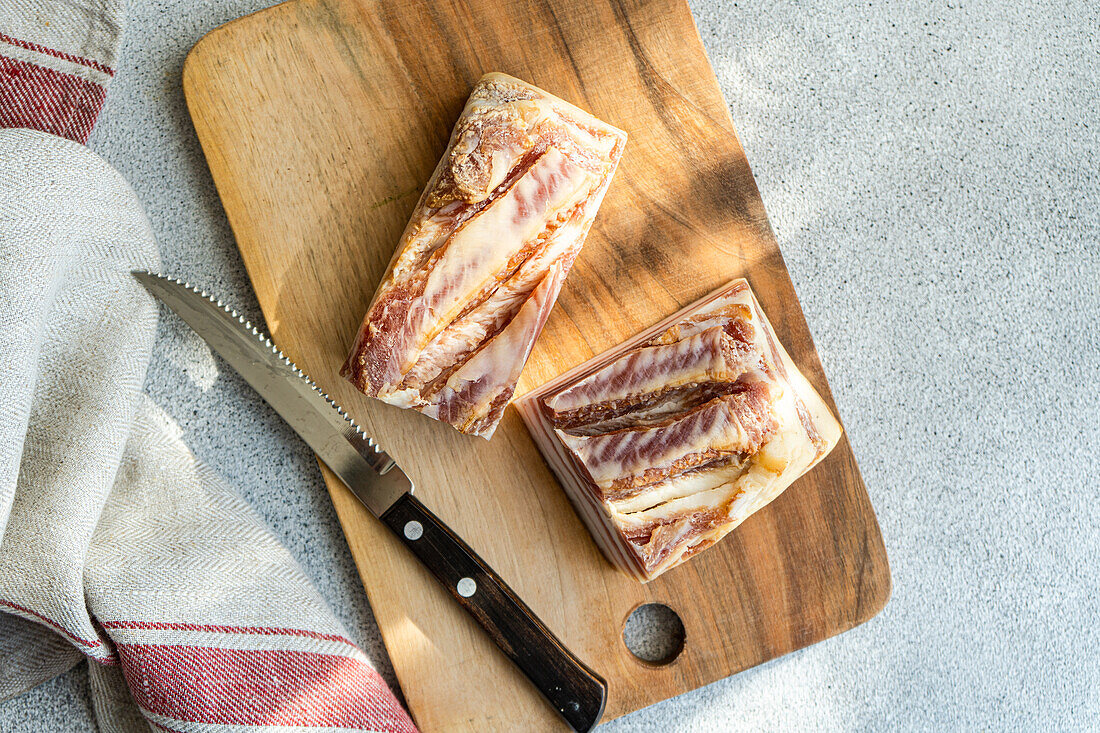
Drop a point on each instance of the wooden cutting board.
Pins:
(321, 121)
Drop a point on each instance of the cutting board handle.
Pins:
(576, 692)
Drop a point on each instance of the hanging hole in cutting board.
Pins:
(654, 634)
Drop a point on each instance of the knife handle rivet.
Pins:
(414, 530)
(467, 587)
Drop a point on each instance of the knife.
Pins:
(573, 689)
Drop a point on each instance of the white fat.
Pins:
(401, 397)
(692, 360)
(617, 455)
(481, 248)
(497, 366)
(465, 334)
(677, 487)
(697, 502)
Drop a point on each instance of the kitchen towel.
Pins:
(56, 59)
(116, 544)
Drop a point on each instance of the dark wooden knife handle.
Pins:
(571, 687)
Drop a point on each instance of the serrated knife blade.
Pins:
(573, 689)
(374, 477)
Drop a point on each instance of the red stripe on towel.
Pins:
(73, 58)
(260, 687)
(256, 630)
(35, 615)
(47, 100)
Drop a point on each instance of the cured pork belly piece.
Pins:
(667, 442)
(480, 264)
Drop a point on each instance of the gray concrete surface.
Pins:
(931, 172)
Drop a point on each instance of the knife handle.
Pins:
(571, 687)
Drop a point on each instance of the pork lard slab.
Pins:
(670, 440)
(482, 260)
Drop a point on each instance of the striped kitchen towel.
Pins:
(116, 544)
(56, 59)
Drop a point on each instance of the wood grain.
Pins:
(321, 121)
